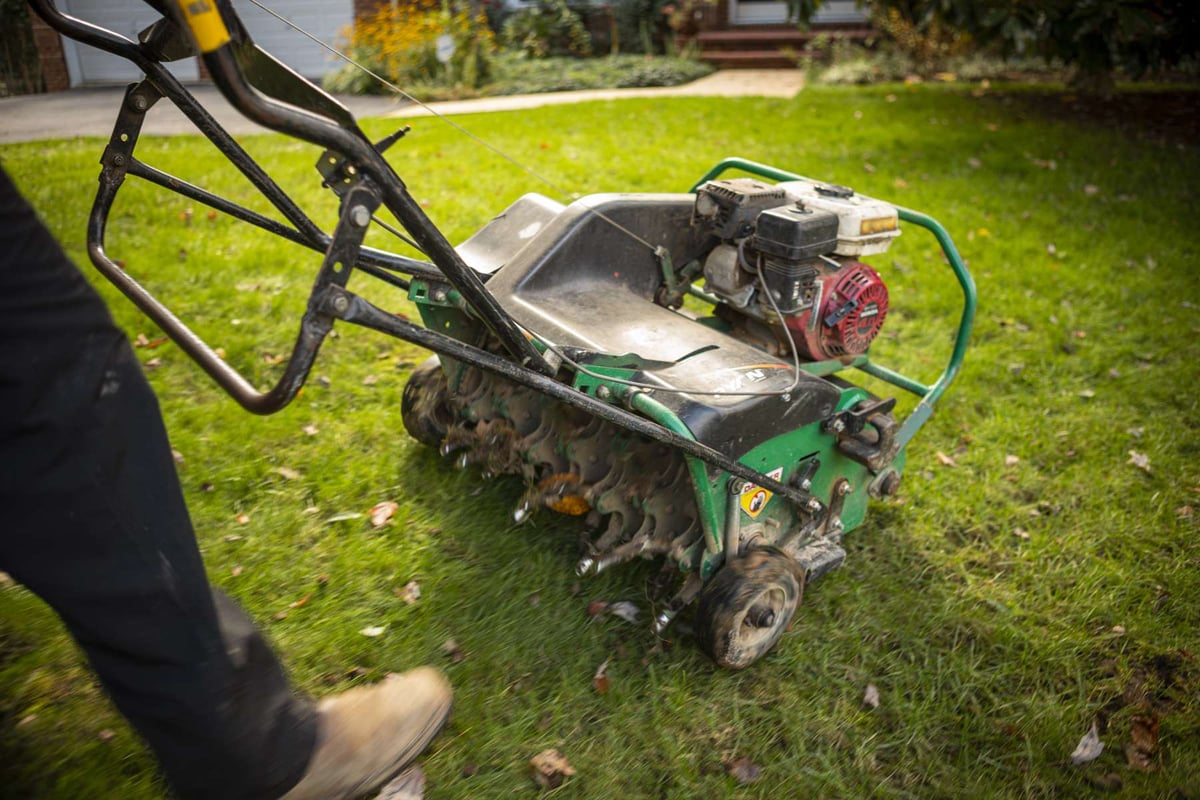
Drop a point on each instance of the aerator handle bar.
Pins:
(929, 394)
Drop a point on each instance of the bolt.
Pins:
(139, 102)
(806, 484)
(844, 488)
(341, 304)
(813, 505)
(360, 216)
(439, 295)
(604, 393)
(837, 425)
(583, 566)
(118, 160)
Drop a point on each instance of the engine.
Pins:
(787, 264)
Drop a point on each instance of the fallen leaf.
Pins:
(550, 768)
(1089, 748)
(469, 769)
(212, 215)
(868, 167)
(345, 515)
(408, 785)
(243, 519)
(744, 770)
(1143, 744)
(974, 163)
(900, 183)
(871, 696)
(373, 630)
(153, 363)
(236, 570)
(1119, 630)
(1091, 189)
(1184, 512)
(106, 735)
(288, 473)
(26, 720)
(600, 679)
(1087, 394)
(1136, 433)
(382, 512)
(300, 602)
(1020, 533)
(596, 607)
(280, 615)
(945, 460)
(370, 380)
(453, 651)
(1011, 460)
(625, 610)
(311, 430)
(6, 580)
(410, 593)
(1139, 460)
(535, 599)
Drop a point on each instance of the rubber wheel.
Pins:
(423, 406)
(747, 606)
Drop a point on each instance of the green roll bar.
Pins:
(929, 394)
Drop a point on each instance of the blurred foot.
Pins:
(368, 734)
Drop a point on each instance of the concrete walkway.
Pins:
(92, 111)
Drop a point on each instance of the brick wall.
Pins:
(50, 55)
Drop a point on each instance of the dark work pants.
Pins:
(92, 519)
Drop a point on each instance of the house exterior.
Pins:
(66, 64)
(731, 33)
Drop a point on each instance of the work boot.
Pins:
(368, 734)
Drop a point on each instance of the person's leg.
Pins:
(92, 519)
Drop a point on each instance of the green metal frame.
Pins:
(929, 394)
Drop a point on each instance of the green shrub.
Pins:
(548, 29)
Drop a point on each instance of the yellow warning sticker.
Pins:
(206, 24)
(755, 498)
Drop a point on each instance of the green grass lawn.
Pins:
(1028, 581)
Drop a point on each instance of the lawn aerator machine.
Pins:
(722, 435)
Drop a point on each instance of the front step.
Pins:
(778, 46)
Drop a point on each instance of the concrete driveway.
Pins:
(92, 111)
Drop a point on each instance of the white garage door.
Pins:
(325, 19)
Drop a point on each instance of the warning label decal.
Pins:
(754, 498)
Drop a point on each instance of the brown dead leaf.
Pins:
(1143, 744)
(370, 380)
(106, 735)
(236, 571)
(596, 607)
(280, 615)
(382, 512)
(311, 430)
(945, 460)
(1184, 512)
(469, 769)
(243, 519)
(288, 473)
(600, 679)
(744, 770)
(300, 602)
(1011, 460)
(871, 696)
(153, 363)
(550, 768)
(272, 358)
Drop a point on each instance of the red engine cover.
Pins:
(853, 306)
